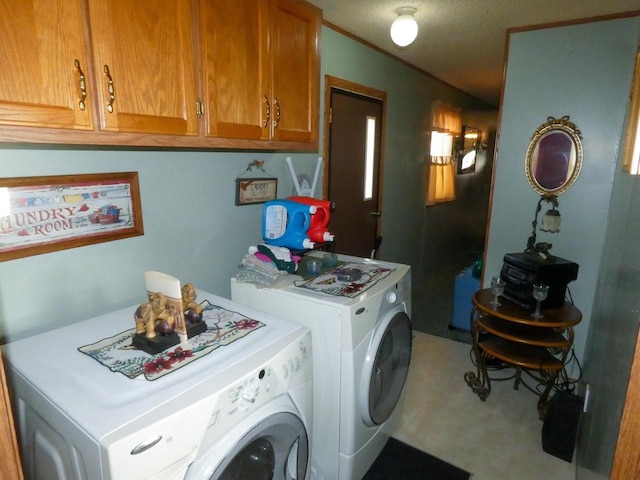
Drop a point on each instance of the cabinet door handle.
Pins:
(83, 85)
(276, 121)
(199, 108)
(266, 122)
(110, 89)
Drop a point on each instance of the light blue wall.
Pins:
(614, 328)
(613, 332)
(193, 230)
(409, 98)
(436, 241)
(583, 71)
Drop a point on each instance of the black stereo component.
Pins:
(521, 271)
(560, 426)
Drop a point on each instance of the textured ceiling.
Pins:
(461, 42)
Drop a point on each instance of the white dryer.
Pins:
(241, 411)
(361, 348)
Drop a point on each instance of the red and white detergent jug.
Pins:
(318, 231)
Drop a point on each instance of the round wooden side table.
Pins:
(507, 336)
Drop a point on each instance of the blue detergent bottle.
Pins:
(285, 224)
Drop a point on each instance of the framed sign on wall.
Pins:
(45, 214)
(468, 149)
(255, 190)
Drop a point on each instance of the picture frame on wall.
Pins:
(468, 149)
(49, 213)
(250, 191)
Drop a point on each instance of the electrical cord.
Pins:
(568, 293)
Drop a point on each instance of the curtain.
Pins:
(439, 173)
(441, 181)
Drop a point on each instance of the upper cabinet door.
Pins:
(41, 84)
(144, 65)
(295, 53)
(235, 68)
(261, 67)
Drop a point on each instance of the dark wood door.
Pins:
(354, 174)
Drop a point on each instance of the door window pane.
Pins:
(369, 158)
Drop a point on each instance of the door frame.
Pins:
(330, 83)
(626, 459)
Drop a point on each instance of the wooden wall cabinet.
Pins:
(234, 57)
(144, 65)
(261, 67)
(40, 85)
(295, 59)
(256, 84)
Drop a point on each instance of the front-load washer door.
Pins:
(277, 448)
(386, 370)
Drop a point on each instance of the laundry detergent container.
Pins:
(318, 231)
(286, 223)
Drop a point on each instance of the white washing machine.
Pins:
(241, 411)
(361, 348)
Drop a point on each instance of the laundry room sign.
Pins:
(250, 191)
(44, 214)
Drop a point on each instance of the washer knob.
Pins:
(391, 297)
(247, 397)
(245, 401)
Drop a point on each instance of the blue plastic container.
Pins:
(286, 224)
(465, 286)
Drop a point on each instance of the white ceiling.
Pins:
(461, 42)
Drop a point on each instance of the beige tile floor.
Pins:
(498, 439)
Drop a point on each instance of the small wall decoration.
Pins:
(255, 190)
(468, 149)
(554, 156)
(45, 214)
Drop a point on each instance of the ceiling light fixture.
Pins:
(404, 28)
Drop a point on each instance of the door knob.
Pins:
(375, 214)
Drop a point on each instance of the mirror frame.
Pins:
(552, 126)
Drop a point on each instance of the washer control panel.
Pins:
(289, 368)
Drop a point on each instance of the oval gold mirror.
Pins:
(554, 156)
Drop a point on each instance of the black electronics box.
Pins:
(521, 271)
(560, 427)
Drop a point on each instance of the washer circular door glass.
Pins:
(256, 460)
(389, 369)
(277, 448)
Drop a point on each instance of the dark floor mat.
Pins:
(399, 461)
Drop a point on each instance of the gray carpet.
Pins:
(498, 439)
